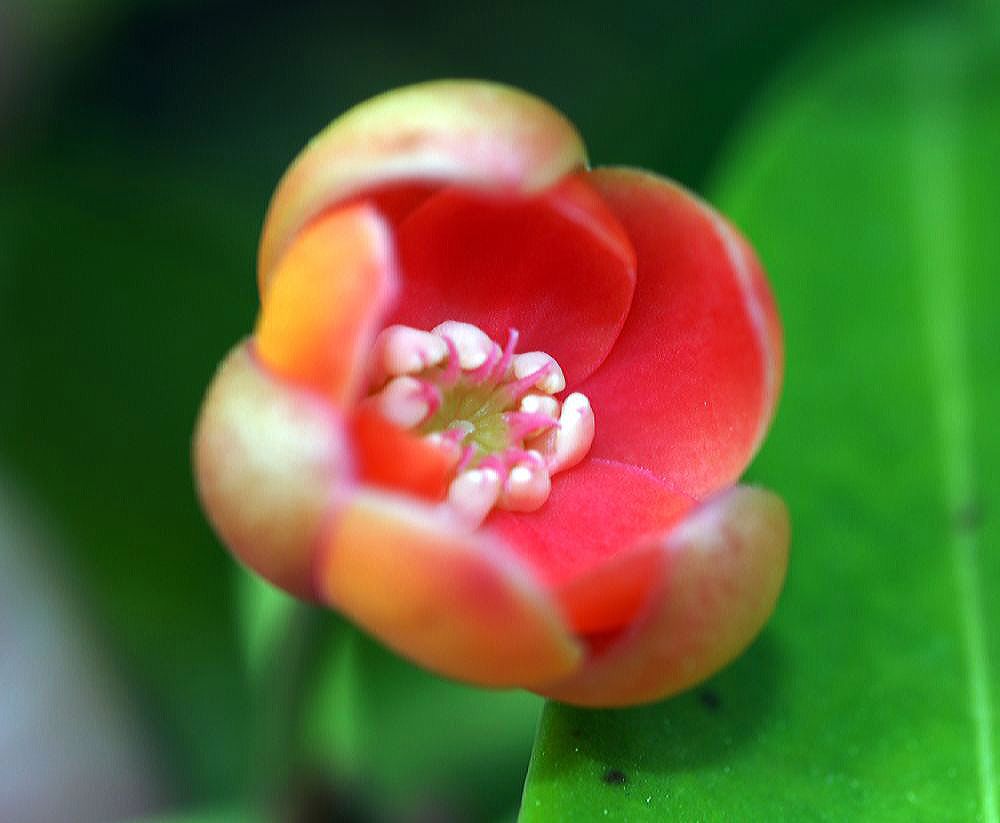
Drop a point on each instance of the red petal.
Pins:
(393, 458)
(690, 387)
(579, 540)
(452, 601)
(724, 567)
(557, 267)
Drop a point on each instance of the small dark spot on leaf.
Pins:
(969, 517)
(576, 734)
(615, 777)
(710, 700)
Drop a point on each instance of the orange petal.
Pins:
(452, 601)
(469, 132)
(723, 570)
(326, 302)
(268, 460)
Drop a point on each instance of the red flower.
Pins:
(563, 519)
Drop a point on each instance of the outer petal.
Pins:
(724, 567)
(327, 300)
(269, 459)
(690, 386)
(469, 132)
(558, 267)
(454, 602)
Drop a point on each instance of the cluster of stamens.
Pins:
(493, 413)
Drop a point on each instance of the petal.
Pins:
(690, 387)
(393, 458)
(449, 600)
(724, 566)
(327, 301)
(470, 132)
(557, 267)
(269, 459)
(578, 542)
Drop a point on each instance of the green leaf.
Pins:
(869, 184)
(410, 741)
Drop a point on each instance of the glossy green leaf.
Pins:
(870, 184)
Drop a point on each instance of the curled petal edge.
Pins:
(475, 133)
(724, 566)
(455, 602)
(269, 458)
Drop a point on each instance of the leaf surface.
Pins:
(868, 183)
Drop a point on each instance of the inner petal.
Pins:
(557, 266)
(579, 544)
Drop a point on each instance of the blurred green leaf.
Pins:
(869, 183)
(234, 815)
(108, 346)
(416, 742)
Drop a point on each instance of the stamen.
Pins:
(471, 496)
(551, 382)
(403, 350)
(540, 404)
(575, 434)
(526, 488)
(500, 371)
(485, 371)
(516, 389)
(525, 424)
(453, 370)
(407, 401)
(468, 455)
(490, 411)
(473, 344)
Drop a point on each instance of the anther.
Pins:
(575, 434)
(540, 404)
(551, 381)
(407, 401)
(471, 496)
(403, 350)
(472, 343)
(527, 487)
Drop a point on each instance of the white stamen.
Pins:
(575, 434)
(473, 344)
(403, 401)
(471, 496)
(531, 361)
(540, 404)
(405, 350)
(527, 487)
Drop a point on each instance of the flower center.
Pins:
(492, 411)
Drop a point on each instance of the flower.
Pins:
(495, 403)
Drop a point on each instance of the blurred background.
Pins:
(143, 676)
